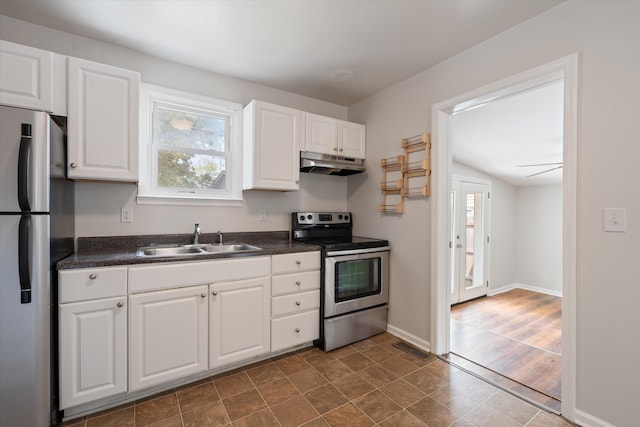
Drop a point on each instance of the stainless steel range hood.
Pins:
(327, 164)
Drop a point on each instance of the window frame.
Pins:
(148, 192)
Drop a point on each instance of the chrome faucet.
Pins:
(196, 233)
(219, 237)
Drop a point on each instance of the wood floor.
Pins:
(517, 335)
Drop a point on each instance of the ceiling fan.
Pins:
(556, 165)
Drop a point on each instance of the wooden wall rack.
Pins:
(391, 185)
(406, 176)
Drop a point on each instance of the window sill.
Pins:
(186, 201)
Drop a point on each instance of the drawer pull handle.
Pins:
(297, 302)
(297, 330)
(298, 282)
(120, 304)
(214, 293)
(93, 276)
(298, 262)
(203, 295)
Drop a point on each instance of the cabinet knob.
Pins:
(297, 330)
(93, 276)
(203, 295)
(341, 150)
(298, 282)
(297, 181)
(120, 304)
(73, 165)
(298, 262)
(297, 302)
(214, 293)
(335, 148)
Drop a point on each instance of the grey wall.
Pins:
(98, 204)
(538, 237)
(606, 35)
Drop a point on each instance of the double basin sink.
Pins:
(187, 250)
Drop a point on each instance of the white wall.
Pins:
(538, 237)
(98, 204)
(607, 36)
(502, 258)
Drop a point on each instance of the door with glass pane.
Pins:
(469, 240)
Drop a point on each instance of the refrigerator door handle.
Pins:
(24, 230)
(23, 172)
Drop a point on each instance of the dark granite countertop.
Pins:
(121, 250)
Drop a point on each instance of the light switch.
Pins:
(615, 219)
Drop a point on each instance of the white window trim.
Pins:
(146, 196)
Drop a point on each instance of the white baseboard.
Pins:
(526, 288)
(587, 420)
(410, 338)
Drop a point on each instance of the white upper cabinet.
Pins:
(321, 134)
(271, 139)
(326, 135)
(26, 77)
(351, 137)
(103, 121)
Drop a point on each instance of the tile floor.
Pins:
(368, 383)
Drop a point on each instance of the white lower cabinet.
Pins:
(167, 335)
(93, 350)
(239, 314)
(124, 329)
(295, 302)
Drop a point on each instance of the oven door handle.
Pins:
(358, 251)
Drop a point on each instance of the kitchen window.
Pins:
(190, 149)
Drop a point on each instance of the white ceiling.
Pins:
(518, 130)
(337, 51)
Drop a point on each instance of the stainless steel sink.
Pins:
(186, 250)
(240, 247)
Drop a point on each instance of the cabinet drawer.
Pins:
(294, 330)
(295, 303)
(297, 282)
(291, 263)
(92, 283)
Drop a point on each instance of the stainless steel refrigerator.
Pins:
(36, 230)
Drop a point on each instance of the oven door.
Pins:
(355, 279)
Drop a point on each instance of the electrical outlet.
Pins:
(263, 215)
(126, 215)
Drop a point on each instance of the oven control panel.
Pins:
(315, 218)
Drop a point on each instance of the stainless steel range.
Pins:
(355, 277)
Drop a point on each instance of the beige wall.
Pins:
(98, 204)
(606, 34)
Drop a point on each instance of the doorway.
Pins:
(566, 69)
(470, 219)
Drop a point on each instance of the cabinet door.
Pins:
(321, 134)
(240, 315)
(167, 335)
(351, 139)
(103, 121)
(26, 77)
(93, 350)
(271, 141)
